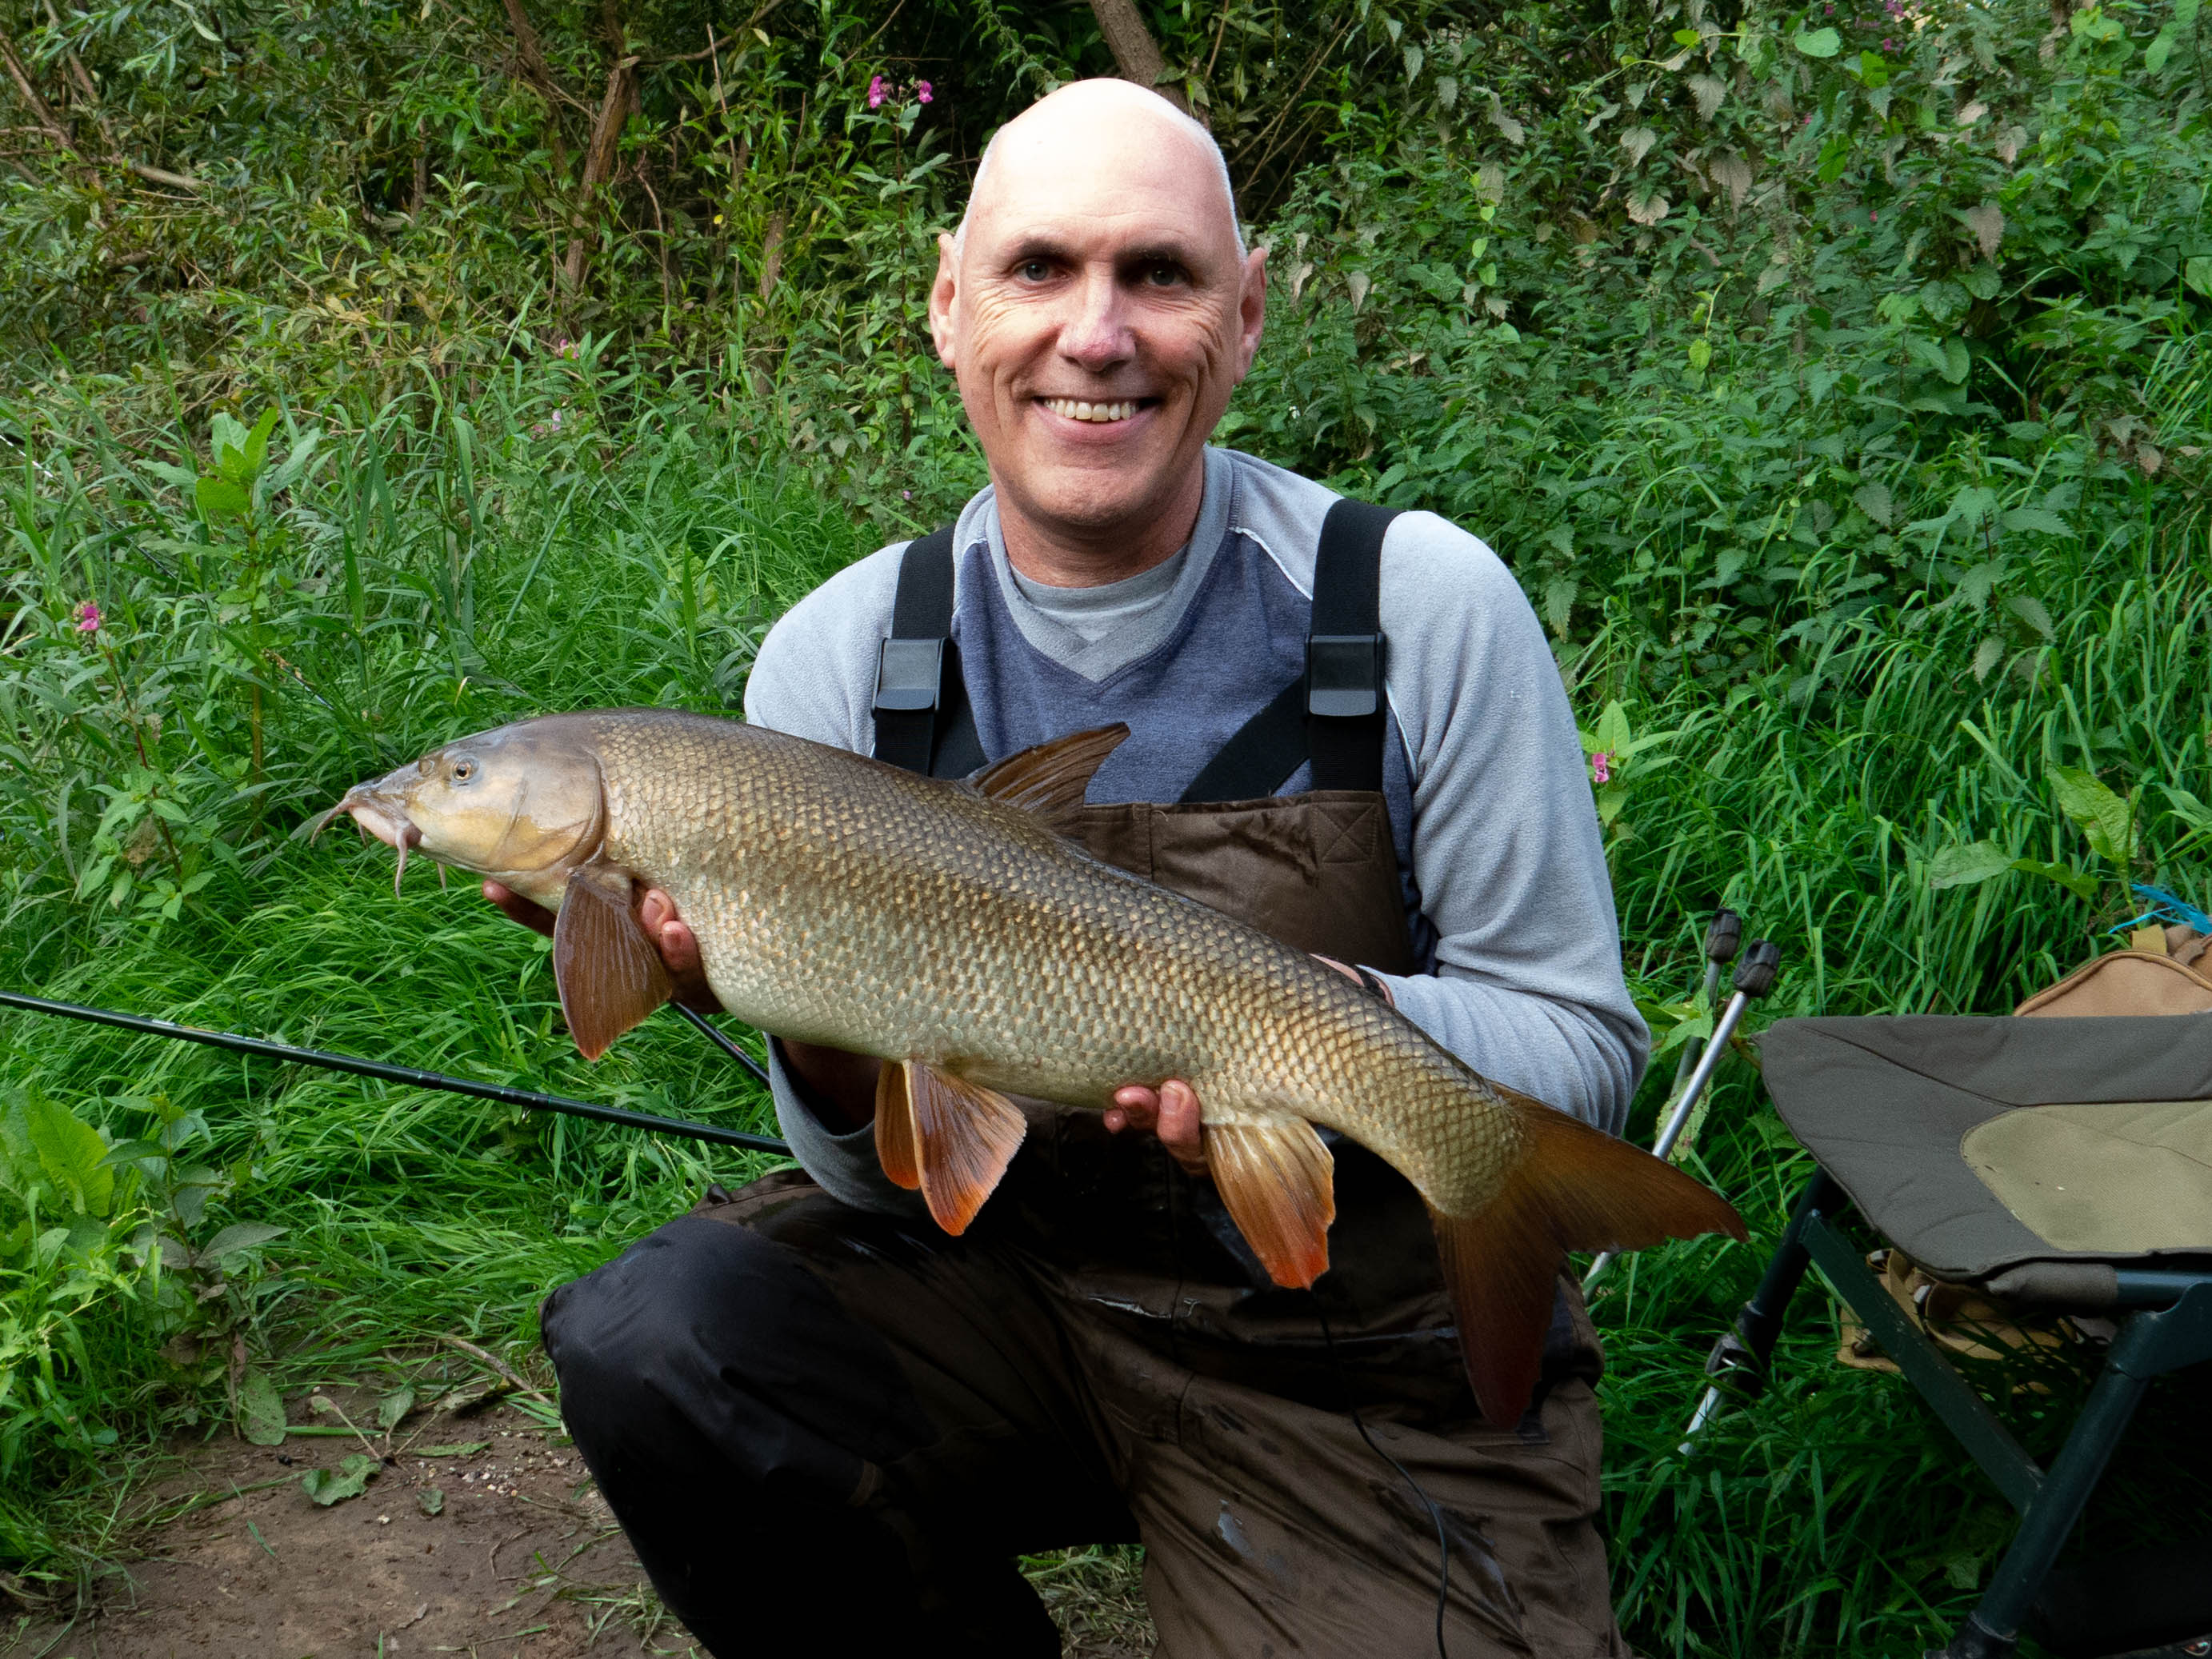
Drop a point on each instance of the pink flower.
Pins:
(922, 92)
(1887, 43)
(87, 617)
(877, 93)
(1601, 767)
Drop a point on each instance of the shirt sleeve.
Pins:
(1507, 854)
(816, 678)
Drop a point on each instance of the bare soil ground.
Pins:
(481, 1536)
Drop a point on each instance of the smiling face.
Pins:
(1097, 315)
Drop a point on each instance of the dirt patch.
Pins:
(520, 1557)
(481, 1536)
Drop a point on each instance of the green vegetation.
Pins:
(1835, 382)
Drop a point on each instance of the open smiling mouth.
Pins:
(1076, 408)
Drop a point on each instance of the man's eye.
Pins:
(1164, 275)
(1033, 270)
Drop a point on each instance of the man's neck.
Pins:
(1060, 555)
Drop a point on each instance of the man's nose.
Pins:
(1097, 333)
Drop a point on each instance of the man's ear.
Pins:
(1251, 309)
(943, 298)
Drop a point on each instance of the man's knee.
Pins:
(704, 1340)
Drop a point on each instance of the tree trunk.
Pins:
(599, 159)
(1136, 54)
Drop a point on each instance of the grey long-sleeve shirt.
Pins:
(1507, 885)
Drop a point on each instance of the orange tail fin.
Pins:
(1575, 1189)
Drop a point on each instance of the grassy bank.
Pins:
(365, 591)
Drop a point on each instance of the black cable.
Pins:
(1436, 1514)
(410, 1076)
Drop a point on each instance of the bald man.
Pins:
(828, 1427)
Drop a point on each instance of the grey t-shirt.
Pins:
(1508, 892)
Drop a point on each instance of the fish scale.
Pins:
(947, 927)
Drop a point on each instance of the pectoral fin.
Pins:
(607, 969)
(1279, 1184)
(964, 1136)
(894, 1148)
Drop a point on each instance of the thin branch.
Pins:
(163, 176)
(41, 112)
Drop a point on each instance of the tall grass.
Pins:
(429, 569)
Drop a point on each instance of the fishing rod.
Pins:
(415, 1078)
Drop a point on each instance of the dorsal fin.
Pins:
(1049, 779)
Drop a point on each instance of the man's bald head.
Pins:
(1098, 308)
(1103, 107)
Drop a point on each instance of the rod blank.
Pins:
(412, 1077)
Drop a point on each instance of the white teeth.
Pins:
(1075, 410)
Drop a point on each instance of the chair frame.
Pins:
(2167, 1323)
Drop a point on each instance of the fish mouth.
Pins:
(375, 814)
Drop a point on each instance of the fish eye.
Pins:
(464, 770)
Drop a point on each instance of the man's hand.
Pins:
(1169, 1111)
(656, 913)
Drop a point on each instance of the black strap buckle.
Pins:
(1344, 675)
(909, 676)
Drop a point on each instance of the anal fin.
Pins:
(1573, 1187)
(1278, 1182)
(895, 1139)
(964, 1136)
(607, 969)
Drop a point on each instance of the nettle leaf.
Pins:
(222, 498)
(48, 1144)
(1965, 866)
(1818, 43)
(2107, 820)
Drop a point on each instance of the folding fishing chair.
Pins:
(2062, 1164)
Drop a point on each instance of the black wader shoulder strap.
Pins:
(923, 722)
(1332, 714)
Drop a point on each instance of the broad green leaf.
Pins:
(1874, 499)
(64, 1153)
(1701, 355)
(223, 498)
(393, 1407)
(1612, 732)
(260, 1409)
(432, 1501)
(2106, 819)
(257, 444)
(2160, 50)
(1956, 362)
(2198, 273)
(239, 1235)
(2074, 881)
(1987, 655)
(350, 1479)
(1965, 865)
(1818, 43)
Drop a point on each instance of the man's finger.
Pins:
(1134, 1108)
(536, 917)
(1180, 1131)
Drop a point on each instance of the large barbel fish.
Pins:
(953, 929)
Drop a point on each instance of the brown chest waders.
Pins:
(832, 1431)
